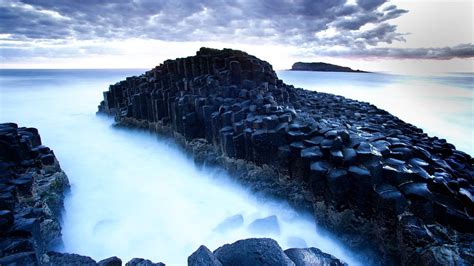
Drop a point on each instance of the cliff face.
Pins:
(379, 183)
(322, 67)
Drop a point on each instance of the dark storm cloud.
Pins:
(370, 4)
(285, 21)
(301, 23)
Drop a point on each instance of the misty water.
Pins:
(136, 195)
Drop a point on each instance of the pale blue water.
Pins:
(135, 195)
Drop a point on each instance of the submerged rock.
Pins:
(264, 226)
(230, 223)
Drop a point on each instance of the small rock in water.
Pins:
(267, 225)
(230, 223)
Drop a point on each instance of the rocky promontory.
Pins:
(382, 186)
(322, 67)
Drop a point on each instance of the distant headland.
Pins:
(323, 67)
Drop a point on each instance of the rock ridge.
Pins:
(367, 176)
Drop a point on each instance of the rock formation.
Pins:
(380, 184)
(322, 67)
(32, 187)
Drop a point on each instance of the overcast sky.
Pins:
(376, 35)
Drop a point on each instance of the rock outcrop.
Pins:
(322, 67)
(380, 184)
(32, 187)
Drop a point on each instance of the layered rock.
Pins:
(32, 187)
(376, 181)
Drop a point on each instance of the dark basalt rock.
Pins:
(312, 256)
(203, 257)
(32, 187)
(253, 251)
(56, 258)
(32, 199)
(142, 262)
(112, 261)
(359, 169)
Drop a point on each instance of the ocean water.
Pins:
(441, 104)
(134, 194)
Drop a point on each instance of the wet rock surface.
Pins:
(253, 251)
(32, 192)
(382, 185)
(312, 256)
(32, 187)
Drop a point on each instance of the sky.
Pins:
(373, 35)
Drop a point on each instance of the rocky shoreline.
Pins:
(32, 188)
(381, 185)
(32, 191)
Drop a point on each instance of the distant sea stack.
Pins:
(382, 186)
(322, 67)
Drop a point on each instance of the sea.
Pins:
(134, 194)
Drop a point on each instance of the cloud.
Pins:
(282, 21)
(354, 26)
(443, 53)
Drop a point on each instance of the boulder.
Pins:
(142, 262)
(312, 257)
(253, 251)
(203, 257)
(112, 261)
(55, 258)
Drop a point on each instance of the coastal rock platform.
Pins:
(382, 186)
(32, 191)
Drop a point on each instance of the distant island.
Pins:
(323, 67)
